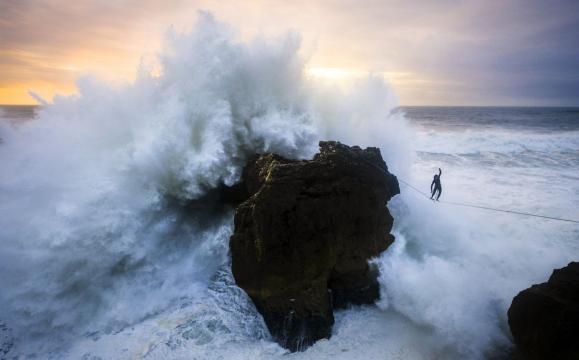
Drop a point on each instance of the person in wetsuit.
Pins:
(435, 186)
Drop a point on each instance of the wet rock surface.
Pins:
(544, 319)
(303, 238)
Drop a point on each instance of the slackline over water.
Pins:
(487, 207)
(474, 205)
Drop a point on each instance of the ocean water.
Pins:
(113, 249)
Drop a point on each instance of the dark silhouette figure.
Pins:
(435, 187)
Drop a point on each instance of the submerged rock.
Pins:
(544, 319)
(303, 238)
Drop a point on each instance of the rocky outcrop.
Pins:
(544, 319)
(303, 238)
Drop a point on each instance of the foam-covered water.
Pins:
(113, 246)
(457, 269)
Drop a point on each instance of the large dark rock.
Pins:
(303, 238)
(544, 319)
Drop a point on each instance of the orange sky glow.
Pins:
(431, 52)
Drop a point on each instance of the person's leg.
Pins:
(439, 192)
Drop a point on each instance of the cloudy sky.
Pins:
(494, 52)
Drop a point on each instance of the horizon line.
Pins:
(412, 105)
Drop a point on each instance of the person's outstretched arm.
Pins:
(439, 172)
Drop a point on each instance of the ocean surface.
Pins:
(99, 258)
(447, 281)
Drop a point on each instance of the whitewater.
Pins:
(113, 245)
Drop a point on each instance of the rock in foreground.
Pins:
(303, 239)
(544, 319)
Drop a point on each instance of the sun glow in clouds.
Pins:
(347, 75)
(335, 73)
